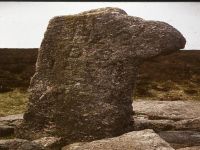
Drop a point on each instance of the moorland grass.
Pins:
(13, 102)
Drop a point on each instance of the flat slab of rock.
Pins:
(190, 148)
(11, 120)
(168, 110)
(19, 144)
(141, 123)
(188, 124)
(181, 139)
(167, 115)
(136, 140)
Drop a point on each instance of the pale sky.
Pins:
(22, 24)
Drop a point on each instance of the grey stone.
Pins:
(85, 73)
(181, 139)
(162, 124)
(188, 124)
(167, 115)
(168, 110)
(11, 120)
(190, 148)
(18, 144)
(136, 140)
(156, 125)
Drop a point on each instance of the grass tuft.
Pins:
(13, 102)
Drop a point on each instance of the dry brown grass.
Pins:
(13, 102)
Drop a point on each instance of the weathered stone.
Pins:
(170, 110)
(156, 125)
(188, 124)
(166, 115)
(162, 125)
(181, 139)
(18, 144)
(136, 140)
(6, 131)
(51, 143)
(190, 148)
(11, 120)
(85, 73)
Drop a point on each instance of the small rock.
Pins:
(12, 117)
(136, 140)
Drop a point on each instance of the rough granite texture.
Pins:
(136, 140)
(85, 73)
(170, 110)
(18, 144)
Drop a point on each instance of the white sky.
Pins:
(22, 24)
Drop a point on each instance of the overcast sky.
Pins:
(22, 24)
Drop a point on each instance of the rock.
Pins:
(156, 125)
(6, 131)
(188, 124)
(162, 125)
(168, 110)
(11, 120)
(136, 140)
(18, 144)
(181, 117)
(85, 74)
(190, 148)
(166, 115)
(48, 142)
(181, 139)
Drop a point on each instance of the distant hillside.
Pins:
(16, 67)
(171, 77)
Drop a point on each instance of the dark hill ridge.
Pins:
(170, 77)
(16, 67)
(17, 55)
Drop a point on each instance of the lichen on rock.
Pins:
(85, 74)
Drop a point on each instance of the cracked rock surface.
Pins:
(85, 74)
(177, 122)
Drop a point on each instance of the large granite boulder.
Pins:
(85, 73)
